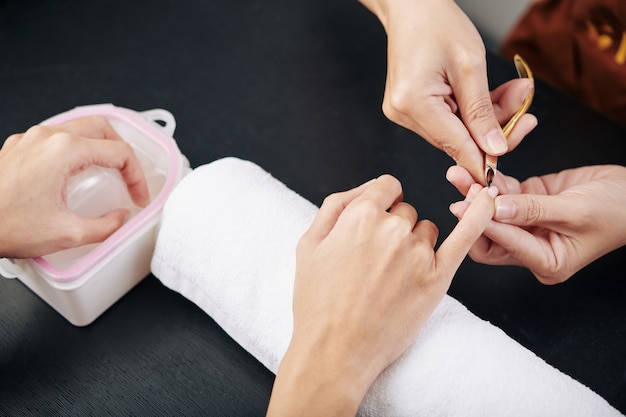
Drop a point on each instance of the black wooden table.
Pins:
(295, 87)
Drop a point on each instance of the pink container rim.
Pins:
(136, 224)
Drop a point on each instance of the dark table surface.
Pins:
(296, 87)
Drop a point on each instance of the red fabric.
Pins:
(579, 46)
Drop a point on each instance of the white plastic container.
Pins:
(83, 282)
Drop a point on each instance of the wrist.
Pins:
(311, 382)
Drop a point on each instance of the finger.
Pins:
(118, 155)
(523, 127)
(12, 140)
(459, 208)
(471, 90)
(523, 247)
(427, 231)
(552, 212)
(406, 211)
(331, 209)
(94, 127)
(384, 192)
(483, 249)
(460, 178)
(488, 248)
(98, 229)
(455, 247)
(473, 192)
(509, 97)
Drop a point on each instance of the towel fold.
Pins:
(227, 242)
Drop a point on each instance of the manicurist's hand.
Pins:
(437, 82)
(34, 169)
(367, 279)
(554, 224)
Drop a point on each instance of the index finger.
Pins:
(94, 127)
(455, 247)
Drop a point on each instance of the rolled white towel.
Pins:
(227, 242)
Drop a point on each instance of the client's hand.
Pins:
(553, 225)
(34, 169)
(367, 279)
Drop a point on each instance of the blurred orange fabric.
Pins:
(578, 46)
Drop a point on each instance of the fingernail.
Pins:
(505, 210)
(454, 209)
(529, 89)
(496, 142)
(493, 191)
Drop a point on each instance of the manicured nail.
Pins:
(496, 142)
(505, 210)
(493, 191)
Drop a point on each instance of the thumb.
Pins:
(531, 209)
(98, 229)
(478, 114)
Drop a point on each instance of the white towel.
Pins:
(227, 242)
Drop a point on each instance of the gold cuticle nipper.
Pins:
(491, 162)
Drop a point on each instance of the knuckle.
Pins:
(397, 102)
(399, 226)
(432, 226)
(556, 270)
(73, 236)
(534, 211)
(302, 245)
(403, 106)
(450, 149)
(391, 112)
(469, 63)
(124, 148)
(479, 109)
(552, 277)
(97, 120)
(391, 183)
(333, 200)
(62, 142)
(37, 131)
(365, 209)
(13, 139)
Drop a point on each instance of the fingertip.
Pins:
(492, 191)
(140, 195)
(456, 209)
(452, 173)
